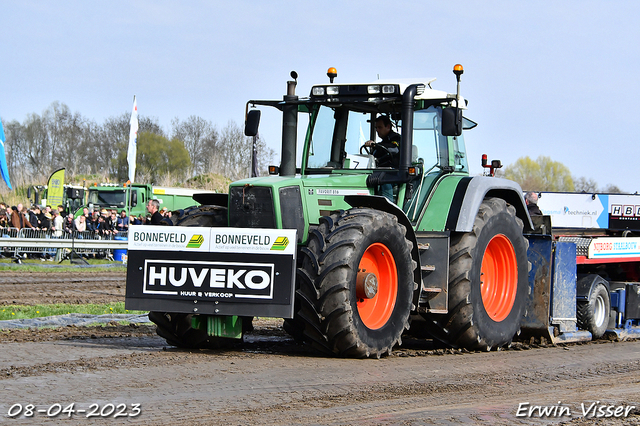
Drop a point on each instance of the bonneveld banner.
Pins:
(220, 271)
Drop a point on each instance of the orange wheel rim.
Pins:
(499, 278)
(375, 312)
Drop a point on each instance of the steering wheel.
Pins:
(369, 150)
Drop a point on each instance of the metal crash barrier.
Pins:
(19, 243)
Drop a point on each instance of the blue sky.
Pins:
(542, 78)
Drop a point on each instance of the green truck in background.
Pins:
(73, 196)
(114, 196)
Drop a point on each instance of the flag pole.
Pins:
(132, 151)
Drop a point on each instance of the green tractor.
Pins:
(445, 246)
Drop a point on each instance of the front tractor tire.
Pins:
(177, 328)
(488, 281)
(355, 285)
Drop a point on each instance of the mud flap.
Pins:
(551, 305)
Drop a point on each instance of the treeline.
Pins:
(193, 147)
(545, 174)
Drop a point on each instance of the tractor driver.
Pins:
(386, 152)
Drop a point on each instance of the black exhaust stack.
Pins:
(289, 129)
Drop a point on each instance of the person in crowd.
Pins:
(34, 211)
(153, 207)
(4, 223)
(102, 222)
(18, 218)
(58, 223)
(87, 214)
(81, 223)
(123, 221)
(45, 220)
(5, 216)
(69, 225)
(92, 224)
(113, 222)
(100, 225)
(133, 220)
(531, 199)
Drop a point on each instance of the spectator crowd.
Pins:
(59, 221)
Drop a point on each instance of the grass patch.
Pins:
(36, 311)
(36, 265)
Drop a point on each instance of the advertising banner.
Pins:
(225, 271)
(55, 188)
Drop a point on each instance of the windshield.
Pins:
(334, 127)
(107, 198)
(337, 136)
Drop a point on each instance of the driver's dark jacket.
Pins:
(392, 143)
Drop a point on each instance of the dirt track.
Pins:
(85, 286)
(270, 379)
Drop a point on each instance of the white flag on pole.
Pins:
(133, 141)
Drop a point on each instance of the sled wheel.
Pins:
(593, 315)
(488, 281)
(355, 284)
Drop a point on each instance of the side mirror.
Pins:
(451, 121)
(252, 123)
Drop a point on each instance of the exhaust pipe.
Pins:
(289, 129)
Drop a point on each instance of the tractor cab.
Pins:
(342, 118)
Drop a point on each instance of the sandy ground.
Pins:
(120, 374)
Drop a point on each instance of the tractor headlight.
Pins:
(388, 89)
(373, 89)
(318, 91)
(333, 90)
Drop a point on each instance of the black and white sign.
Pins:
(224, 271)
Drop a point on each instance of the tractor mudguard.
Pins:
(472, 191)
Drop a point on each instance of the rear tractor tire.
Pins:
(488, 281)
(355, 285)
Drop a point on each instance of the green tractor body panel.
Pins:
(437, 210)
(297, 202)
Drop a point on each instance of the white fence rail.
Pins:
(32, 241)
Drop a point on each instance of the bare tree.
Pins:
(200, 139)
(234, 153)
(65, 132)
(583, 184)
